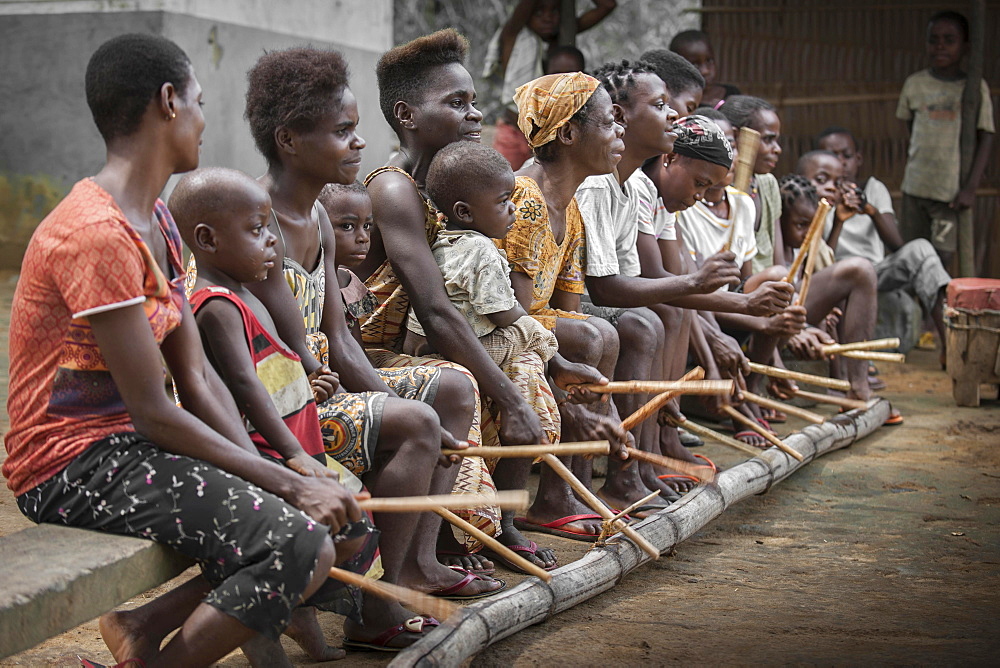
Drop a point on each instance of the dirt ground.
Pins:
(884, 553)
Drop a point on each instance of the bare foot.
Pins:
(304, 629)
(442, 577)
(262, 652)
(126, 639)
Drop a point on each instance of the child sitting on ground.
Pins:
(871, 230)
(222, 215)
(471, 185)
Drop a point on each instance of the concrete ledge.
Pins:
(54, 578)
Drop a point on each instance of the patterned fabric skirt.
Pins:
(255, 549)
(473, 476)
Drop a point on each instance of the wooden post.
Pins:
(971, 99)
(567, 23)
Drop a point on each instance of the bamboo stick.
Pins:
(843, 402)
(652, 406)
(560, 449)
(597, 505)
(641, 502)
(822, 381)
(747, 145)
(687, 468)
(874, 356)
(817, 224)
(434, 606)
(808, 271)
(767, 402)
(514, 499)
(705, 432)
(495, 545)
(756, 426)
(659, 386)
(874, 344)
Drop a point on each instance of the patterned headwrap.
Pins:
(545, 104)
(700, 138)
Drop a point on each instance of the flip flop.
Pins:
(739, 436)
(715, 469)
(678, 476)
(775, 416)
(529, 549)
(553, 527)
(381, 642)
(893, 420)
(449, 592)
(475, 571)
(689, 440)
(127, 663)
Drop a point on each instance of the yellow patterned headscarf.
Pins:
(545, 104)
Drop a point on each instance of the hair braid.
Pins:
(619, 78)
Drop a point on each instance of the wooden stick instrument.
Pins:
(808, 271)
(699, 471)
(843, 402)
(756, 426)
(822, 381)
(705, 432)
(514, 499)
(652, 406)
(597, 505)
(814, 228)
(660, 386)
(641, 502)
(874, 356)
(747, 145)
(767, 402)
(495, 545)
(424, 603)
(572, 448)
(874, 344)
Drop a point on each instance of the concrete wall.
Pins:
(48, 140)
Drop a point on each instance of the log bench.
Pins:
(53, 578)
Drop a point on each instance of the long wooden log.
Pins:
(495, 545)
(560, 449)
(819, 219)
(434, 606)
(651, 407)
(822, 381)
(757, 427)
(596, 504)
(513, 499)
(873, 356)
(843, 402)
(767, 402)
(485, 622)
(699, 471)
(873, 344)
(660, 386)
(706, 432)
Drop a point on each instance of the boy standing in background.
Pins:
(934, 198)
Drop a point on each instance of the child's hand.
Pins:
(451, 443)
(305, 465)
(324, 383)
(963, 200)
(851, 201)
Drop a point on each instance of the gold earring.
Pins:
(172, 116)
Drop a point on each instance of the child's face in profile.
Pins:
(490, 207)
(766, 122)
(245, 249)
(945, 44)
(825, 173)
(686, 101)
(795, 222)
(700, 55)
(843, 146)
(352, 222)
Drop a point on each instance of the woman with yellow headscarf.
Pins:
(568, 122)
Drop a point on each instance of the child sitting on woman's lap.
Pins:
(471, 185)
